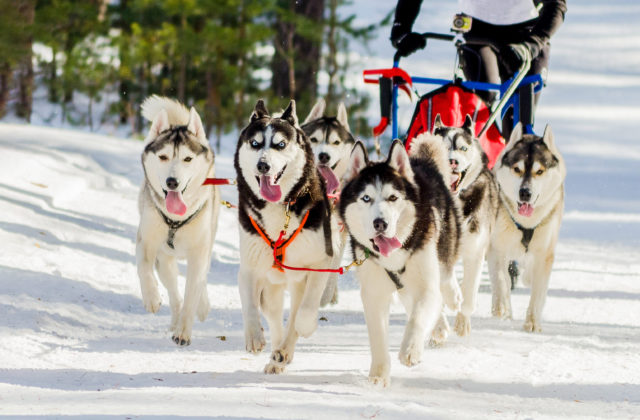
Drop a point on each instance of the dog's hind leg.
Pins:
(307, 316)
(282, 354)
(196, 284)
(472, 264)
(272, 303)
(500, 285)
(539, 271)
(167, 268)
(145, 257)
(250, 290)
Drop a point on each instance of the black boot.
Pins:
(513, 273)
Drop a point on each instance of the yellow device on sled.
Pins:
(461, 23)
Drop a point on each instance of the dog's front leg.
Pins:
(250, 290)
(282, 354)
(539, 271)
(198, 262)
(146, 254)
(167, 268)
(472, 263)
(307, 316)
(376, 291)
(500, 290)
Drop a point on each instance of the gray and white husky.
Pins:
(281, 195)
(473, 183)
(332, 143)
(178, 214)
(404, 223)
(530, 173)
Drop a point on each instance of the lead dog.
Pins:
(331, 142)
(280, 190)
(178, 215)
(404, 224)
(530, 172)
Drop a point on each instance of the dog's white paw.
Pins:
(152, 301)
(462, 325)
(306, 322)
(532, 325)
(451, 294)
(411, 355)
(381, 381)
(203, 306)
(500, 309)
(181, 337)
(279, 360)
(440, 333)
(254, 339)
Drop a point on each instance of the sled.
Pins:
(453, 100)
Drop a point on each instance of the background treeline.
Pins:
(98, 59)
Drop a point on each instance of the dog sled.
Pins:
(453, 99)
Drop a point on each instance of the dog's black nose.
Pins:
(172, 183)
(324, 158)
(380, 225)
(263, 167)
(525, 194)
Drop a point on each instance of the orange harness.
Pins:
(279, 248)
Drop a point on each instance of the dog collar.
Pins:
(174, 225)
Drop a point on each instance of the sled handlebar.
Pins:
(426, 36)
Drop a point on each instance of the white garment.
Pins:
(499, 12)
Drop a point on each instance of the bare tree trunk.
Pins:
(242, 67)
(27, 10)
(5, 79)
(332, 45)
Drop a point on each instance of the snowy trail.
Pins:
(77, 342)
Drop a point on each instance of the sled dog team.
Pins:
(305, 190)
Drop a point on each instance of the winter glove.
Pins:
(513, 55)
(408, 43)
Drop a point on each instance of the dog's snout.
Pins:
(324, 158)
(380, 225)
(453, 163)
(172, 183)
(525, 194)
(263, 167)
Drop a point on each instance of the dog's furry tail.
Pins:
(431, 147)
(178, 113)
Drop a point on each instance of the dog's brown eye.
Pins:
(188, 159)
(392, 198)
(516, 169)
(163, 157)
(337, 142)
(314, 140)
(540, 172)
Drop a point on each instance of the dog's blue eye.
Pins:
(366, 198)
(463, 148)
(281, 145)
(255, 144)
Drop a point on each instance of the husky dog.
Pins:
(331, 142)
(530, 173)
(281, 196)
(178, 214)
(404, 223)
(474, 185)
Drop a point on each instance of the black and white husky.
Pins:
(530, 173)
(280, 190)
(332, 143)
(404, 223)
(178, 214)
(473, 183)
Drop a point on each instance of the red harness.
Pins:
(219, 181)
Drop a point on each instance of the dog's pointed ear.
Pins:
(289, 114)
(159, 124)
(548, 139)
(317, 111)
(469, 125)
(516, 135)
(195, 124)
(342, 116)
(259, 111)
(358, 161)
(437, 123)
(399, 160)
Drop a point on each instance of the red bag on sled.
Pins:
(453, 102)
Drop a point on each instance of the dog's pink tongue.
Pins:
(270, 192)
(329, 177)
(386, 245)
(174, 203)
(454, 181)
(525, 209)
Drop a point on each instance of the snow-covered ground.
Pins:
(78, 343)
